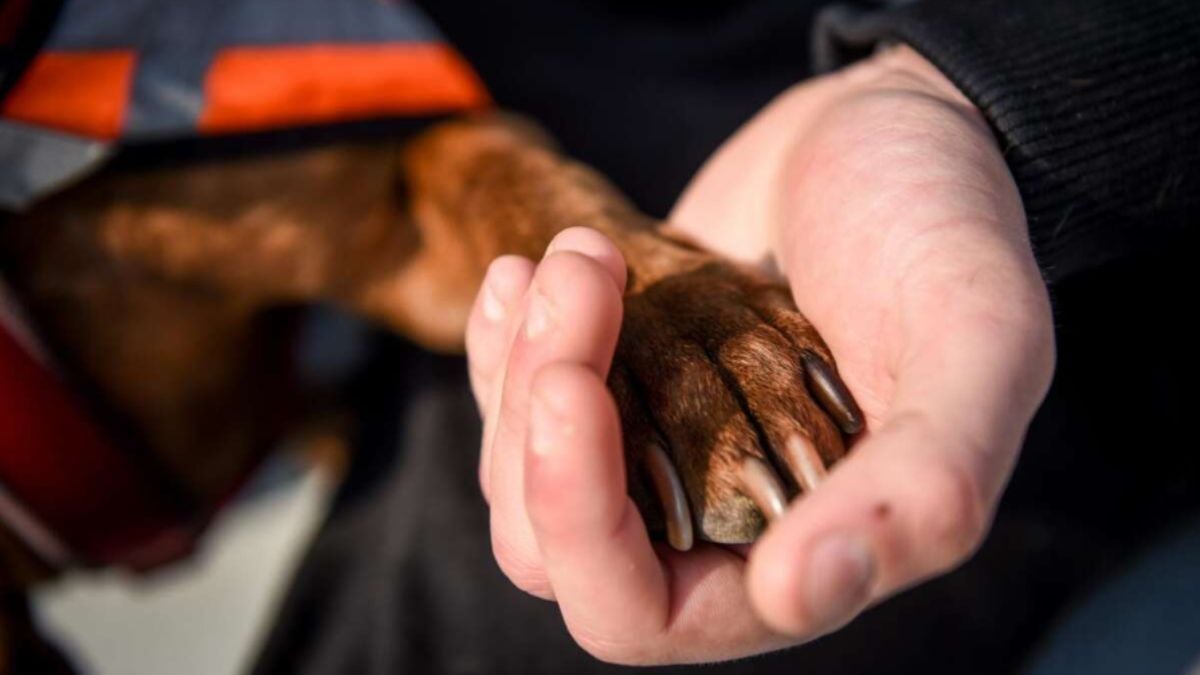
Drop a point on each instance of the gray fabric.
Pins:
(175, 42)
(168, 93)
(186, 25)
(37, 161)
(1146, 620)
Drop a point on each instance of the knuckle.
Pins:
(527, 575)
(480, 350)
(954, 513)
(481, 380)
(599, 649)
(510, 420)
(755, 353)
(583, 240)
(485, 486)
(612, 651)
(566, 273)
(563, 263)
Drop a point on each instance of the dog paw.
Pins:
(730, 401)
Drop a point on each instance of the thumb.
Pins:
(916, 495)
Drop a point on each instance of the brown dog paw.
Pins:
(730, 401)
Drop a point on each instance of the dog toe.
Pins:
(729, 404)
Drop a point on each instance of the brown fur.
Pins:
(154, 287)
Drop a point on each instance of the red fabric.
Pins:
(56, 462)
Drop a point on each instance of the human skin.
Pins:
(881, 197)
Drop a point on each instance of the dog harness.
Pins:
(117, 73)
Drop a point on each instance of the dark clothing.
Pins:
(401, 578)
(1094, 102)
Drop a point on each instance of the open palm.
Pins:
(891, 213)
(880, 196)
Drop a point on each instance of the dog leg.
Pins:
(747, 408)
(729, 399)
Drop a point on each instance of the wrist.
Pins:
(903, 60)
(731, 205)
(903, 68)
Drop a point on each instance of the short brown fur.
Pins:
(155, 288)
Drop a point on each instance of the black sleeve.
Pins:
(1095, 103)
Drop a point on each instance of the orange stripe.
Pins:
(251, 88)
(81, 92)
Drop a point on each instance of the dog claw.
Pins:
(833, 394)
(763, 488)
(805, 463)
(669, 487)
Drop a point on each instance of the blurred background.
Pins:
(384, 565)
(210, 614)
(1092, 566)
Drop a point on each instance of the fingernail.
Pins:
(493, 309)
(840, 574)
(547, 429)
(504, 284)
(538, 317)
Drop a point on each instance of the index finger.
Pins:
(621, 601)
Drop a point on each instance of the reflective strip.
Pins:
(167, 96)
(13, 513)
(56, 465)
(38, 161)
(12, 319)
(79, 92)
(158, 27)
(32, 532)
(269, 87)
(135, 71)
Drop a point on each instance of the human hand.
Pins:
(541, 341)
(881, 196)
